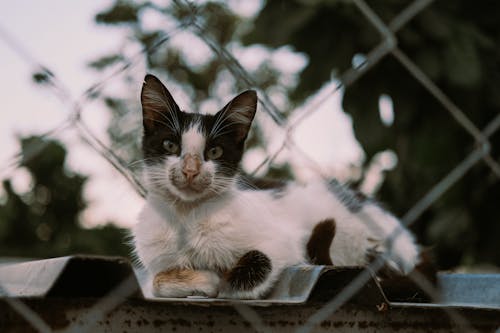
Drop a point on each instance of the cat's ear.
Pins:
(157, 104)
(238, 114)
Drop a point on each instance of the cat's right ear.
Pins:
(158, 105)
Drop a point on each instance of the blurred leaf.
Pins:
(280, 172)
(42, 77)
(44, 222)
(291, 15)
(429, 62)
(148, 39)
(106, 61)
(462, 64)
(122, 12)
(435, 25)
(220, 22)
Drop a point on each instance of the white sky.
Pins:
(61, 35)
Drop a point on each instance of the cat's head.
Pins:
(189, 156)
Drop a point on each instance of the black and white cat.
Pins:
(208, 230)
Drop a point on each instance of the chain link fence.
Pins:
(387, 47)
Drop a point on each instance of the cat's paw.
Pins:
(249, 278)
(183, 283)
(251, 270)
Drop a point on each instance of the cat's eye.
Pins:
(214, 153)
(171, 147)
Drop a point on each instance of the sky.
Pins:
(63, 40)
(62, 36)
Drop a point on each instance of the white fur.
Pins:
(207, 223)
(193, 141)
(215, 234)
(196, 226)
(158, 176)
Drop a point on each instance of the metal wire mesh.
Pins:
(387, 47)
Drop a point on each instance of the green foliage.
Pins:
(200, 81)
(457, 45)
(44, 221)
(106, 61)
(43, 76)
(122, 12)
(329, 32)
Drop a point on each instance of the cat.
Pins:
(206, 229)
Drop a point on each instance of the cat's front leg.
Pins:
(179, 282)
(251, 277)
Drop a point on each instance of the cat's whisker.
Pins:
(246, 184)
(235, 117)
(157, 173)
(212, 219)
(219, 131)
(220, 119)
(157, 121)
(154, 100)
(171, 119)
(142, 161)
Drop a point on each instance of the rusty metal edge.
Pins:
(297, 285)
(53, 277)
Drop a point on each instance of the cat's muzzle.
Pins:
(191, 166)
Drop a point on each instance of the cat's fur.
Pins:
(207, 230)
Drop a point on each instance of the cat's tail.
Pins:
(397, 243)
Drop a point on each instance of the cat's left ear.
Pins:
(239, 113)
(157, 103)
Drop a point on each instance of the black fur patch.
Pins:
(168, 122)
(232, 153)
(318, 246)
(250, 271)
(353, 200)
(153, 151)
(152, 142)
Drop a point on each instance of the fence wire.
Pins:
(387, 47)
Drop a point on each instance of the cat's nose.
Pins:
(191, 166)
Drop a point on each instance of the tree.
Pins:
(44, 221)
(200, 79)
(457, 45)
